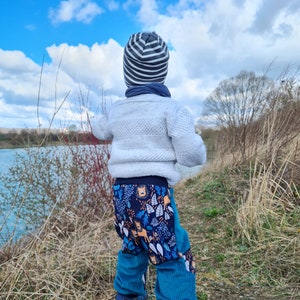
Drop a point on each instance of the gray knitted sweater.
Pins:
(149, 134)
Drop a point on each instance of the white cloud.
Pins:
(16, 61)
(112, 5)
(148, 12)
(269, 13)
(86, 74)
(209, 41)
(18, 116)
(80, 10)
(99, 67)
(216, 39)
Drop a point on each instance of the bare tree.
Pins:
(238, 101)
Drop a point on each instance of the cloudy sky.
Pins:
(60, 60)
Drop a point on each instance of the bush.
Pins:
(44, 181)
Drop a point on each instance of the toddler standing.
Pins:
(150, 133)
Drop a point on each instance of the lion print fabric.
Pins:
(144, 219)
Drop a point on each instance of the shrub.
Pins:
(46, 180)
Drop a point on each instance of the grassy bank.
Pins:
(242, 214)
(245, 237)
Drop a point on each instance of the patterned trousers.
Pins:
(146, 218)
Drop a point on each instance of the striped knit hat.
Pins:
(145, 59)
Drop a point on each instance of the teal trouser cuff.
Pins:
(131, 274)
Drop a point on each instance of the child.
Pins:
(150, 133)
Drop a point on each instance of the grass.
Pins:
(244, 227)
(245, 232)
(62, 263)
(242, 216)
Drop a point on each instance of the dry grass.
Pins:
(245, 237)
(245, 246)
(62, 263)
(244, 225)
(268, 199)
(242, 216)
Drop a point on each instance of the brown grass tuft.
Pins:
(74, 261)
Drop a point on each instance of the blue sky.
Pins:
(82, 43)
(33, 25)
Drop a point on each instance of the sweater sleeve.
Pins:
(100, 128)
(189, 147)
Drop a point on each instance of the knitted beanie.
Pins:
(145, 59)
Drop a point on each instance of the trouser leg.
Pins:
(176, 279)
(131, 273)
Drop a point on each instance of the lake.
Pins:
(8, 222)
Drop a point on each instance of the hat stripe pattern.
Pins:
(145, 59)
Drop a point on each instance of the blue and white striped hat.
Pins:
(145, 59)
